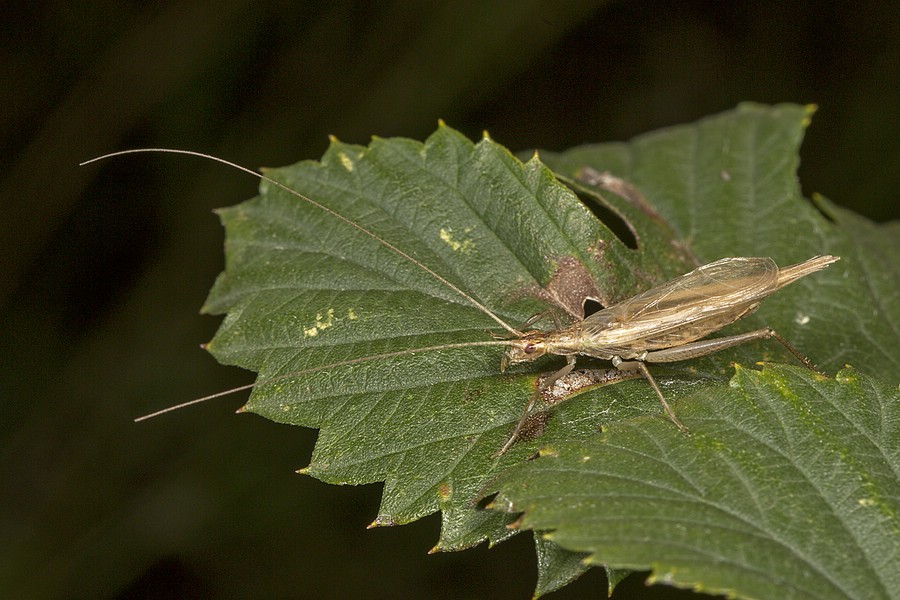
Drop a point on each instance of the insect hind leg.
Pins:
(704, 347)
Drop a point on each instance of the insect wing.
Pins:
(685, 308)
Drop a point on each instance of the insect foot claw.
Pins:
(680, 425)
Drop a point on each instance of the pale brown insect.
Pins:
(663, 324)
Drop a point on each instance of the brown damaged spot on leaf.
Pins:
(445, 492)
(570, 286)
(619, 187)
(535, 426)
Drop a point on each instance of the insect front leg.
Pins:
(570, 364)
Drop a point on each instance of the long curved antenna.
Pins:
(331, 212)
(343, 363)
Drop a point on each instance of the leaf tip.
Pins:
(302, 470)
(381, 521)
(810, 111)
(486, 136)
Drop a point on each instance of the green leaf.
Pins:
(303, 290)
(557, 567)
(362, 342)
(786, 488)
(728, 186)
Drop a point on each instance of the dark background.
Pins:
(104, 267)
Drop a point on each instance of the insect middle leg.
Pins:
(702, 348)
(638, 365)
(675, 354)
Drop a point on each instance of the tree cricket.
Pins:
(663, 324)
(666, 323)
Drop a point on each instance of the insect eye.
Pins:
(529, 348)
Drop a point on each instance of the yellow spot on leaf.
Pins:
(346, 161)
(458, 246)
(321, 324)
(351, 314)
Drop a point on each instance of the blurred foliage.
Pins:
(104, 268)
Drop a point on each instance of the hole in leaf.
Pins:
(613, 221)
(591, 306)
(484, 501)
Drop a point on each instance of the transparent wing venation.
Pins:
(730, 286)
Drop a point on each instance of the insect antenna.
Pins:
(331, 212)
(471, 300)
(302, 372)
